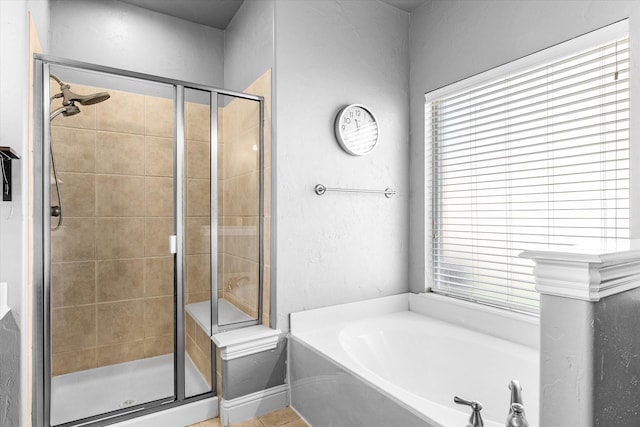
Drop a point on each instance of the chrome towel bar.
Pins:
(321, 189)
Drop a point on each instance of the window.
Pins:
(527, 159)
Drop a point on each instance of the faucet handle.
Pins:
(476, 419)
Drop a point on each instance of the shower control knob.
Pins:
(56, 211)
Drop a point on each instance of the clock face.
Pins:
(356, 129)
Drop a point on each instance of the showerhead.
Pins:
(68, 97)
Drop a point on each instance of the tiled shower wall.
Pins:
(238, 169)
(240, 211)
(112, 273)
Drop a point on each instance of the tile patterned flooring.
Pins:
(281, 418)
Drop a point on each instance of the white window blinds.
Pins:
(533, 160)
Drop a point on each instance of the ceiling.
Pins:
(218, 13)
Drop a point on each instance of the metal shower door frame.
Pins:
(41, 240)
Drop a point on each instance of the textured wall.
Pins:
(452, 40)
(248, 44)
(120, 35)
(339, 247)
(9, 372)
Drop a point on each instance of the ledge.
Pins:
(588, 272)
(246, 341)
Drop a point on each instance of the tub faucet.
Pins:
(476, 419)
(516, 417)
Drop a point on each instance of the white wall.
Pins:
(248, 44)
(339, 248)
(119, 35)
(454, 39)
(14, 119)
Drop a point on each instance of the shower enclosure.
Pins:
(149, 215)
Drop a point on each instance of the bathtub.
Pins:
(399, 361)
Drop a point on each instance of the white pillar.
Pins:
(590, 339)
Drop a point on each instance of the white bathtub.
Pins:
(417, 362)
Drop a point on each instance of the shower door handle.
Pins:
(173, 244)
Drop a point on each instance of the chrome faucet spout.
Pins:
(516, 417)
(516, 392)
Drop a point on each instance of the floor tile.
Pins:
(279, 418)
(213, 422)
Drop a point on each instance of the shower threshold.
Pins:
(97, 391)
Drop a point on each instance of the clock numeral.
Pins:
(343, 127)
(358, 112)
(347, 120)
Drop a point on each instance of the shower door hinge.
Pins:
(173, 244)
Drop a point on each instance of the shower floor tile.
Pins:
(96, 391)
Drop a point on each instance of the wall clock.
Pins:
(356, 129)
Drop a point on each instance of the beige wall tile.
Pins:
(190, 325)
(72, 284)
(120, 195)
(120, 353)
(159, 196)
(158, 277)
(120, 322)
(241, 153)
(267, 191)
(119, 153)
(157, 346)
(203, 341)
(73, 328)
(201, 360)
(197, 237)
(73, 361)
(158, 316)
(198, 122)
(266, 295)
(120, 280)
(159, 156)
(198, 160)
(159, 116)
(74, 241)
(74, 149)
(198, 297)
(241, 194)
(78, 191)
(198, 273)
(120, 238)
(198, 197)
(241, 237)
(123, 112)
(240, 115)
(156, 239)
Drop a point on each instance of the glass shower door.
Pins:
(112, 272)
